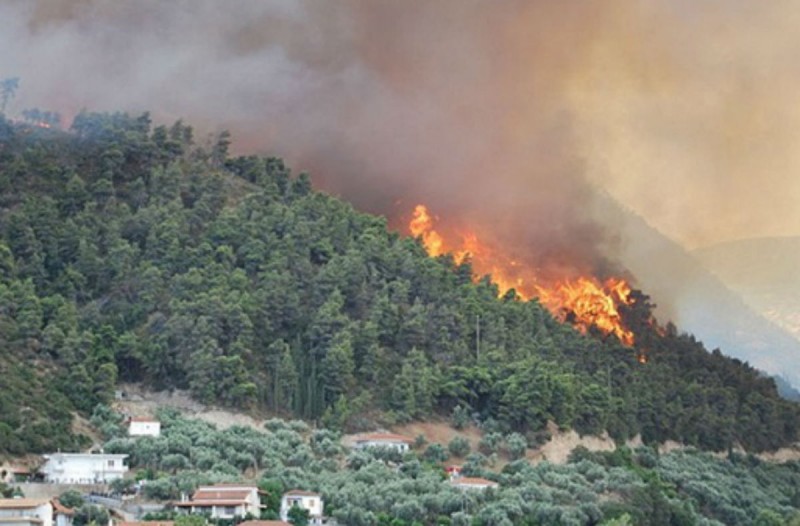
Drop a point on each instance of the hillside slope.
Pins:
(723, 313)
(764, 273)
(131, 253)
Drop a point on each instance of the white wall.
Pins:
(83, 468)
(43, 512)
(314, 505)
(149, 428)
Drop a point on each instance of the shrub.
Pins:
(459, 447)
(516, 446)
(460, 417)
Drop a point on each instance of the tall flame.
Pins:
(584, 301)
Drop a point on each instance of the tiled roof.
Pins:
(204, 503)
(11, 504)
(145, 523)
(60, 508)
(217, 494)
(143, 419)
(264, 523)
(300, 493)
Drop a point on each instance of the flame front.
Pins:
(584, 301)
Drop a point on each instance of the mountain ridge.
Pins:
(129, 253)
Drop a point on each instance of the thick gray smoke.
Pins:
(504, 116)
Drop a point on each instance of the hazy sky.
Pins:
(505, 112)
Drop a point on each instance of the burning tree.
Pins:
(585, 301)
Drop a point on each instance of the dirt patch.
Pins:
(82, 426)
(558, 448)
(135, 400)
(439, 432)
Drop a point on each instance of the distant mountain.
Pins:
(764, 272)
(719, 308)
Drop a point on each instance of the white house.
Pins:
(304, 499)
(383, 440)
(143, 427)
(472, 483)
(224, 501)
(83, 468)
(26, 512)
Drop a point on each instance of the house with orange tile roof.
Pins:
(223, 501)
(26, 512)
(62, 515)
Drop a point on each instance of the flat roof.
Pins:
(12, 504)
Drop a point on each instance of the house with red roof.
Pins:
(26, 512)
(62, 515)
(223, 501)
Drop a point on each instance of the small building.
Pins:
(265, 523)
(383, 440)
(12, 474)
(62, 516)
(26, 512)
(304, 499)
(83, 468)
(223, 501)
(472, 483)
(139, 426)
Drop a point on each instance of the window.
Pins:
(229, 510)
(311, 503)
(111, 463)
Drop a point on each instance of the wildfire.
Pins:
(584, 301)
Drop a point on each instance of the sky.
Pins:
(509, 114)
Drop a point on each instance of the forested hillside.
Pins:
(130, 252)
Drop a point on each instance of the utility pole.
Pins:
(477, 337)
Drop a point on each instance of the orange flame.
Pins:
(584, 301)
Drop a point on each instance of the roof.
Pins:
(143, 419)
(12, 504)
(473, 481)
(226, 494)
(383, 437)
(264, 523)
(17, 520)
(86, 455)
(60, 508)
(301, 493)
(203, 503)
(145, 523)
(228, 485)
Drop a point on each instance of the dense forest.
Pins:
(136, 252)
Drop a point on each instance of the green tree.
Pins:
(298, 516)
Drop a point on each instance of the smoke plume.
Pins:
(505, 117)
